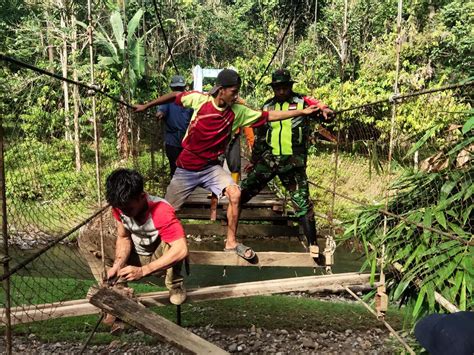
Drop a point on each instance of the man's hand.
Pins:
(130, 273)
(112, 271)
(310, 110)
(139, 108)
(327, 113)
(159, 115)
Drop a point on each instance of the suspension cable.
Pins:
(405, 96)
(165, 37)
(28, 260)
(278, 47)
(394, 215)
(15, 61)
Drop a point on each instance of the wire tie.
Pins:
(393, 98)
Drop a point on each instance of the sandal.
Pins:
(240, 250)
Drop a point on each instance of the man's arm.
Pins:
(283, 115)
(170, 97)
(177, 251)
(325, 110)
(123, 247)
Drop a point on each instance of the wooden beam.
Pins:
(261, 214)
(267, 258)
(245, 230)
(31, 313)
(257, 202)
(149, 322)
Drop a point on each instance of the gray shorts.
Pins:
(184, 182)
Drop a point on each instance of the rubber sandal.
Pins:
(240, 250)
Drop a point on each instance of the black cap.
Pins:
(177, 81)
(281, 76)
(447, 333)
(226, 78)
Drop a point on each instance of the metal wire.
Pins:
(15, 61)
(165, 37)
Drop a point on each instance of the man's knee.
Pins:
(233, 194)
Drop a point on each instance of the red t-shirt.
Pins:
(210, 128)
(161, 224)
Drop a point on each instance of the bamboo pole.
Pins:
(96, 131)
(388, 326)
(443, 302)
(381, 299)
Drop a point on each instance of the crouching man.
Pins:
(149, 239)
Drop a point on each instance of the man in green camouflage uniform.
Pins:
(281, 150)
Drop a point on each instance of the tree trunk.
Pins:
(49, 39)
(64, 62)
(75, 94)
(343, 39)
(122, 131)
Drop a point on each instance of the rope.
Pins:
(393, 98)
(164, 36)
(388, 326)
(15, 61)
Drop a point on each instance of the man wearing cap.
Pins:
(176, 120)
(281, 150)
(216, 115)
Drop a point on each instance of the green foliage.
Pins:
(426, 202)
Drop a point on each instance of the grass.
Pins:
(354, 179)
(269, 312)
(27, 290)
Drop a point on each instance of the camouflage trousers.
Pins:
(291, 170)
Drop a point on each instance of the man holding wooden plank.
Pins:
(149, 238)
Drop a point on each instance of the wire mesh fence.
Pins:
(406, 185)
(49, 197)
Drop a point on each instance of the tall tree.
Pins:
(62, 4)
(75, 92)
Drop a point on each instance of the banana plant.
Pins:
(114, 46)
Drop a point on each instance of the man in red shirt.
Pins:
(149, 237)
(215, 117)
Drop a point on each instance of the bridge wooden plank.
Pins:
(141, 318)
(251, 230)
(261, 214)
(267, 258)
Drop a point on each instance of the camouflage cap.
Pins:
(281, 76)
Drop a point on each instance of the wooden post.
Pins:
(138, 316)
(5, 256)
